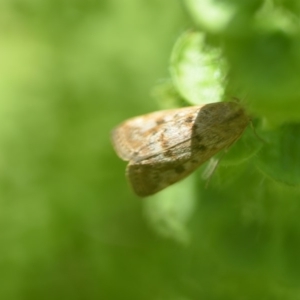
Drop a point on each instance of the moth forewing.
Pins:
(140, 137)
(165, 147)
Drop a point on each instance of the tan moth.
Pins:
(166, 146)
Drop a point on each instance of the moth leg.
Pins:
(211, 168)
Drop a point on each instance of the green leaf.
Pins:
(265, 63)
(279, 159)
(169, 211)
(243, 149)
(217, 16)
(167, 95)
(198, 70)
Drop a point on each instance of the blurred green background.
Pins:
(71, 71)
(71, 228)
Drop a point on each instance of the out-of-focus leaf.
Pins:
(167, 95)
(216, 16)
(265, 62)
(243, 149)
(279, 159)
(198, 70)
(169, 211)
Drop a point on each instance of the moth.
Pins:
(166, 146)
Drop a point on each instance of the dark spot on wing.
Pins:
(179, 169)
(160, 121)
(154, 131)
(197, 138)
(189, 119)
(201, 147)
(163, 141)
(168, 153)
(195, 126)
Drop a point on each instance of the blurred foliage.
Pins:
(70, 226)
